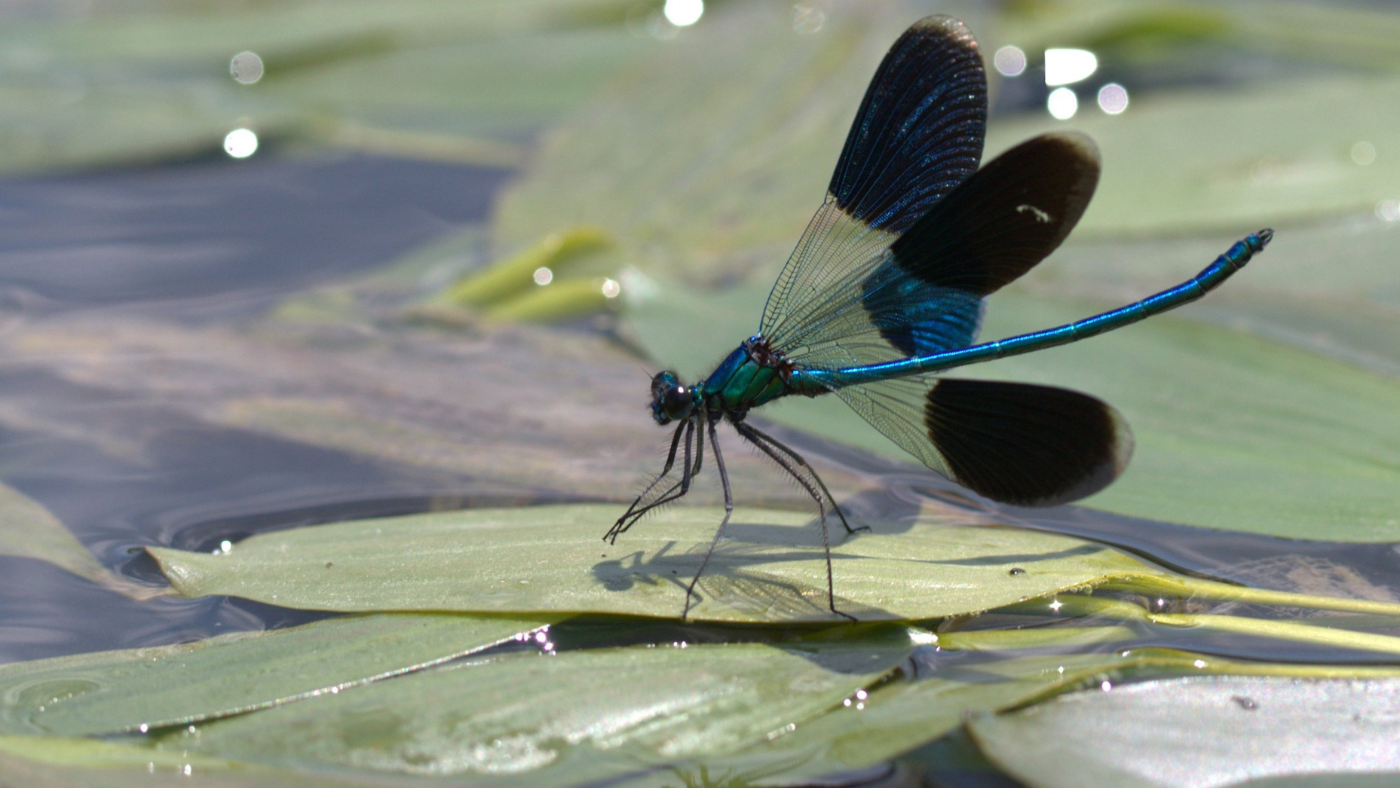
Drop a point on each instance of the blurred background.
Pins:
(266, 263)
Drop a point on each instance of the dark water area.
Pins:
(213, 241)
(217, 239)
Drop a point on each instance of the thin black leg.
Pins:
(675, 491)
(611, 535)
(803, 462)
(728, 510)
(761, 440)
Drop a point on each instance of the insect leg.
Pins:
(611, 535)
(763, 442)
(803, 462)
(675, 491)
(728, 510)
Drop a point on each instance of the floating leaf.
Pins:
(546, 559)
(56, 762)
(901, 715)
(564, 719)
(29, 530)
(1199, 732)
(140, 689)
(1311, 632)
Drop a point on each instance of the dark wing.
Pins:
(1016, 443)
(1012, 442)
(917, 135)
(1004, 220)
(919, 129)
(893, 297)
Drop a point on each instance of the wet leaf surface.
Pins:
(538, 719)
(56, 762)
(769, 567)
(140, 689)
(1204, 731)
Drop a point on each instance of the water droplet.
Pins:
(241, 143)
(246, 67)
(1062, 103)
(1113, 98)
(543, 275)
(1363, 153)
(1010, 61)
(683, 13)
(1068, 66)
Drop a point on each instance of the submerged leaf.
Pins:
(141, 689)
(1200, 732)
(544, 559)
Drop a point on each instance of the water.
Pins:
(205, 243)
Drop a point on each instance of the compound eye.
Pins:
(677, 402)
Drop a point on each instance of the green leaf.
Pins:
(770, 567)
(730, 135)
(1200, 731)
(56, 762)
(442, 80)
(29, 530)
(564, 719)
(901, 715)
(1316, 456)
(140, 689)
(1234, 162)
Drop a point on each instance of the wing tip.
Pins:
(1025, 444)
(945, 26)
